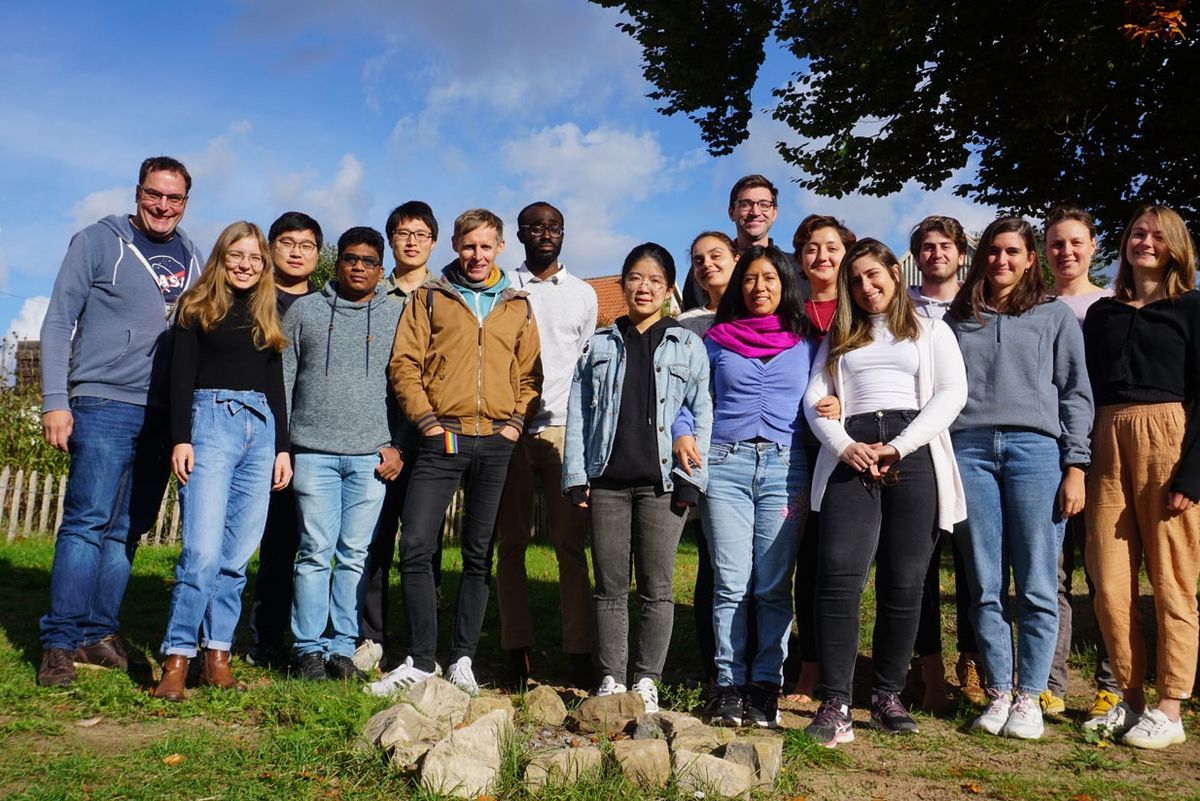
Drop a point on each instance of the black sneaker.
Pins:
(726, 706)
(342, 667)
(311, 666)
(762, 705)
(270, 656)
(832, 725)
(889, 714)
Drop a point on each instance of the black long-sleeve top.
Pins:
(225, 358)
(1150, 355)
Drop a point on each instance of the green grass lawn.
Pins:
(106, 738)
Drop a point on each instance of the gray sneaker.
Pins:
(996, 715)
(1113, 724)
(1024, 719)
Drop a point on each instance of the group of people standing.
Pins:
(821, 416)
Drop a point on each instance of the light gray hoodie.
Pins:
(106, 331)
(335, 373)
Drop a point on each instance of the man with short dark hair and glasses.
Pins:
(565, 308)
(342, 423)
(295, 241)
(105, 352)
(412, 232)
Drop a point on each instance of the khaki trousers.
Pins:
(1135, 448)
(541, 454)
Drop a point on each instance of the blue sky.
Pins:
(346, 109)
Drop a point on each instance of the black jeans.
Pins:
(861, 520)
(929, 632)
(373, 610)
(482, 462)
(271, 610)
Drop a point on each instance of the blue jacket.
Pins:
(596, 396)
(106, 332)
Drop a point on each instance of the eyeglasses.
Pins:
(155, 196)
(654, 282)
(235, 257)
(761, 205)
(420, 237)
(305, 247)
(537, 229)
(351, 259)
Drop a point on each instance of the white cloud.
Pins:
(338, 205)
(214, 166)
(595, 177)
(27, 325)
(115, 200)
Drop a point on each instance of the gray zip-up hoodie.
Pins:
(1028, 371)
(106, 332)
(335, 373)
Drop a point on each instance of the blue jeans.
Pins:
(1011, 480)
(338, 499)
(120, 457)
(224, 509)
(754, 513)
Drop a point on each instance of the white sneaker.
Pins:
(1114, 723)
(648, 690)
(1155, 730)
(993, 720)
(609, 686)
(1024, 719)
(462, 677)
(404, 676)
(367, 655)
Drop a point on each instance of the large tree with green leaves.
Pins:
(1095, 102)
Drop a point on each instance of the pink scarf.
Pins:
(753, 337)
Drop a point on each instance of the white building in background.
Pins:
(911, 276)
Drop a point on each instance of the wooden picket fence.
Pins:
(26, 501)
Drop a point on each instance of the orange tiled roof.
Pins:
(609, 297)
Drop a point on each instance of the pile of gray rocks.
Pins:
(454, 744)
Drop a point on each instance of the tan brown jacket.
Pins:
(469, 376)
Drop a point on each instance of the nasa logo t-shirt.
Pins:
(167, 262)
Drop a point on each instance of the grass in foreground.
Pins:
(106, 738)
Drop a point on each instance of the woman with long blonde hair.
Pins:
(1143, 356)
(229, 426)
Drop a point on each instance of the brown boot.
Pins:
(933, 676)
(969, 682)
(56, 669)
(174, 678)
(215, 671)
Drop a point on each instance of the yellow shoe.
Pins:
(1105, 701)
(1051, 703)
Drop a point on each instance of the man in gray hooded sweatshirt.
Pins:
(104, 371)
(344, 427)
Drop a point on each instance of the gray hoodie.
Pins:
(106, 330)
(335, 373)
(1028, 371)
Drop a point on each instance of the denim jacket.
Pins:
(681, 367)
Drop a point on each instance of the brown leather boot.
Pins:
(969, 681)
(933, 675)
(174, 678)
(215, 671)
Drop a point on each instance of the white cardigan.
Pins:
(942, 392)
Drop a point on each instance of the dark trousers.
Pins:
(863, 519)
(929, 632)
(483, 463)
(702, 604)
(373, 610)
(271, 609)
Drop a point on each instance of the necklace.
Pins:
(822, 327)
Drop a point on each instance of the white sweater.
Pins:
(942, 393)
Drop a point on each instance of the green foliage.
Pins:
(21, 441)
(326, 266)
(1040, 103)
